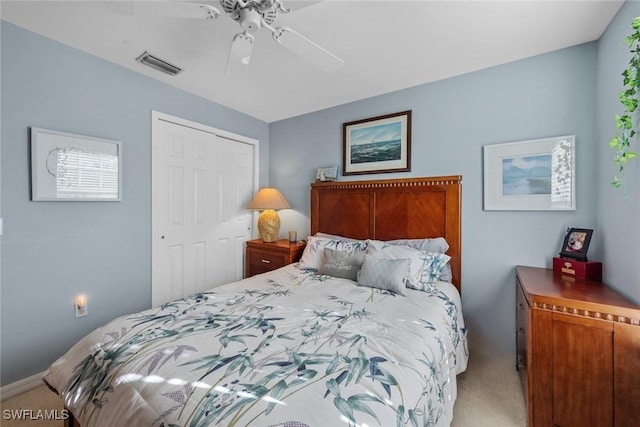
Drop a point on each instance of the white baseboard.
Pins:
(21, 386)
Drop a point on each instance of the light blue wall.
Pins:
(548, 95)
(52, 251)
(618, 218)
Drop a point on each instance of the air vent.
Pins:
(159, 64)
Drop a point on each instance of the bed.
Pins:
(298, 347)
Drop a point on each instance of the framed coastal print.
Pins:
(70, 167)
(530, 175)
(377, 144)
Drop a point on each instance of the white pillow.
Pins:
(434, 244)
(311, 256)
(426, 266)
(336, 237)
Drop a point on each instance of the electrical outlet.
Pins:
(80, 306)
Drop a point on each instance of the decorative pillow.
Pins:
(445, 273)
(436, 244)
(425, 268)
(434, 265)
(336, 237)
(341, 264)
(387, 274)
(310, 258)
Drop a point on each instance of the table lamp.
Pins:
(267, 200)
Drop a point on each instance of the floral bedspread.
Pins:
(287, 348)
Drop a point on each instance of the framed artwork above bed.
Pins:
(377, 144)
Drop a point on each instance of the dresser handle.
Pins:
(266, 261)
(520, 306)
(520, 331)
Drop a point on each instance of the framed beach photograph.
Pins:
(377, 144)
(70, 167)
(530, 175)
(576, 243)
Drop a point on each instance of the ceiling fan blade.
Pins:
(307, 49)
(239, 54)
(300, 4)
(166, 9)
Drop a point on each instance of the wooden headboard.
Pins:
(390, 209)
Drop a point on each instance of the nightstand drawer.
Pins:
(262, 257)
(265, 261)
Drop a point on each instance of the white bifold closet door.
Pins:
(203, 179)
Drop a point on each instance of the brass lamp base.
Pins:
(269, 225)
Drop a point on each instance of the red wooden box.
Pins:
(590, 270)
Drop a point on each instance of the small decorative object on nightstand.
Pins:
(262, 257)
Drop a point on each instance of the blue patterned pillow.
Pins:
(382, 273)
(434, 244)
(426, 266)
(310, 258)
(434, 265)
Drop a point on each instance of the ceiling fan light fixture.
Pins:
(250, 20)
(159, 64)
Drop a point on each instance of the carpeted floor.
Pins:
(489, 395)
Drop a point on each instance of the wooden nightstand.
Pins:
(578, 349)
(262, 257)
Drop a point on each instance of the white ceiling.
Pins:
(387, 45)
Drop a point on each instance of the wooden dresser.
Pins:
(262, 257)
(578, 351)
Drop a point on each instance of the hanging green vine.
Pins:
(627, 123)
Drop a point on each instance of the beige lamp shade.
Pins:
(267, 200)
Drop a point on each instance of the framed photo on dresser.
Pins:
(576, 243)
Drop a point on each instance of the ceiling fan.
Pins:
(251, 15)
